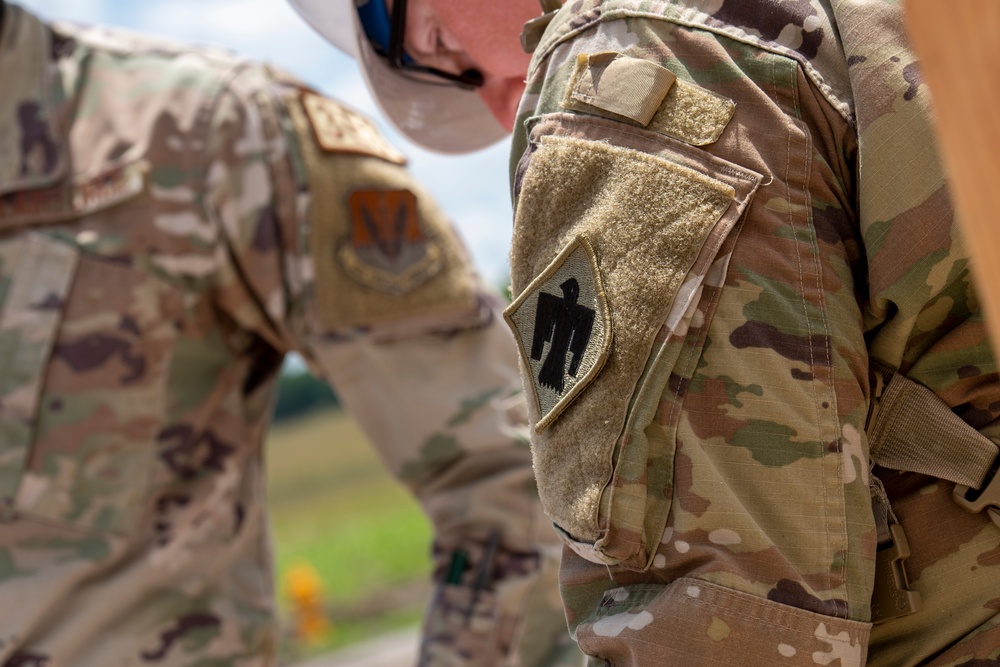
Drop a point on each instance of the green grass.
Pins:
(335, 507)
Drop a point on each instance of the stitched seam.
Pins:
(843, 107)
(693, 152)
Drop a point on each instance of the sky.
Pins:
(472, 189)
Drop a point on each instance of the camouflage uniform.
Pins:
(726, 211)
(172, 222)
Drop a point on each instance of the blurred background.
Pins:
(351, 546)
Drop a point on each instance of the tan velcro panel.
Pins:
(383, 251)
(646, 219)
(620, 87)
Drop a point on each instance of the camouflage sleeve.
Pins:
(686, 267)
(344, 258)
(724, 211)
(922, 316)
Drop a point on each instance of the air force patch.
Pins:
(387, 248)
(563, 327)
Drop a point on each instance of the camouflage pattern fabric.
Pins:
(712, 482)
(159, 254)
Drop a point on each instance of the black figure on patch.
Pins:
(567, 325)
(390, 235)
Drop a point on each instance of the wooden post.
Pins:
(958, 44)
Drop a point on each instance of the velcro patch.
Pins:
(339, 130)
(621, 87)
(67, 201)
(387, 248)
(563, 328)
(620, 84)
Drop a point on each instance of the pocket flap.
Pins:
(630, 215)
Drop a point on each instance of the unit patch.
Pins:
(387, 248)
(563, 327)
(339, 130)
(73, 200)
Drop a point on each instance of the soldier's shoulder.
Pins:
(124, 43)
(111, 54)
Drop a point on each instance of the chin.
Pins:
(502, 100)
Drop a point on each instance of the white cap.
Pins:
(446, 119)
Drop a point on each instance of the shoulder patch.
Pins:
(388, 248)
(340, 130)
(562, 324)
(383, 254)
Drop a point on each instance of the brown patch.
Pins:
(688, 500)
(937, 211)
(813, 350)
(990, 558)
(185, 624)
(383, 221)
(912, 76)
(712, 399)
(794, 594)
(36, 140)
(265, 238)
(93, 351)
(189, 453)
(771, 18)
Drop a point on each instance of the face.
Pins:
(458, 35)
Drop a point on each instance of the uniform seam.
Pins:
(701, 21)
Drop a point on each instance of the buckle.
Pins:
(985, 498)
(891, 596)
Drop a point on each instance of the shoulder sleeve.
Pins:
(383, 253)
(251, 194)
(337, 253)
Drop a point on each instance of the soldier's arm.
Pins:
(356, 268)
(764, 225)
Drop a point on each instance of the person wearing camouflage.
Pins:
(755, 359)
(173, 221)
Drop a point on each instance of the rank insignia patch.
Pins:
(340, 130)
(387, 248)
(563, 327)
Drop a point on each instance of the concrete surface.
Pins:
(393, 650)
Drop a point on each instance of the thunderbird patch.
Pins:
(387, 248)
(563, 327)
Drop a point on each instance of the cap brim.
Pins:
(332, 20)
(445, 119)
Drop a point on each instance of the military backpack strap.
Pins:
(911, 429)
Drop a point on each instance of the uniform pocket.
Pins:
(86, 343)
(616, 230)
